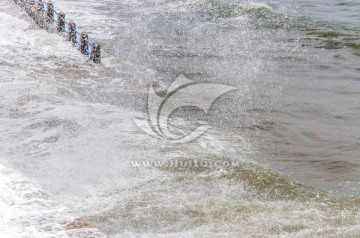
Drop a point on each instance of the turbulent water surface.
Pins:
(291, 130)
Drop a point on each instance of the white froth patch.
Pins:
(26, 211)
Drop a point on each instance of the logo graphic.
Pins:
(182, 92)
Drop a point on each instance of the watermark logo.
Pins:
(182, 92)
(184, 163)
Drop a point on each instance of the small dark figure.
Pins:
(71, 32)
(61, 22)
(84, 46)
(50, 12)
(96, 53)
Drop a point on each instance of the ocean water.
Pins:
(291, 131)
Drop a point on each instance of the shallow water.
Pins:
(291, 128)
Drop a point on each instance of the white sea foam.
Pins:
(28, 212)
